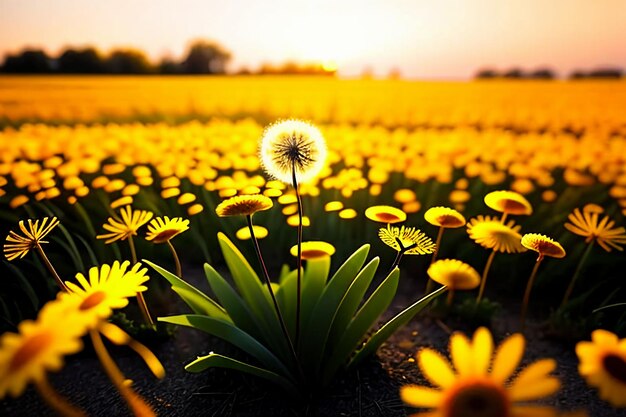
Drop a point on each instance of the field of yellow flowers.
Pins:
(96, 159)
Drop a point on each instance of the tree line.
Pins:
(548, 74)
(202, 57)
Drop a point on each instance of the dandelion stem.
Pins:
(137, 405)
(56, 401)
(179, 270)
(450, 297)
(529, 287)
(299, 272)
(504, 216)
(430, 283)
(53, 271)
(140, 299)
(266, 276)
(483, 279)
(577, 273)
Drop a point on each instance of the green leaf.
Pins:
(351, 302)
(313, 283)
(364, 319)
(287, 301)
(231, 334)
(317, 329)
(220, 361)
(200, 305)
(392, 325)
(232, 302)
(25, 285)
(198, 301)
(92, 256)
(255, 294)
(284, 271)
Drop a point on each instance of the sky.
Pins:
(433, 39)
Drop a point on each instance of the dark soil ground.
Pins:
(372, 390)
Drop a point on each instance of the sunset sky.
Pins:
(426, 39)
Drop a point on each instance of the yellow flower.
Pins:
(479, 385)
(491, 233)
(333, 206)
(38, 347)
(243, 205)
(586, 224)
(18, 246)
(603, 365)
(408, 240)
(385, 214)
(347, 214)
(293, 145)
(260, 232)
(444, 217)
(543, 245)
(313, 250)
(508, 202)
(122, 229)
(454, 274)
(162, 229)
(108, 288)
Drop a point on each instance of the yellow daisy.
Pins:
(313, 250)
(260, 232)
(125, 227)
(603, 365)
(454, 274)
(444, 217)
(17, 246)
(37, 348)
(108, 288)
(588, 225)
(293, 145)
(385, 214)
(543, 245)
(407, 240)
(243, 205)
(162, 229)
(491, 233)
(508, 202)
(479, 383)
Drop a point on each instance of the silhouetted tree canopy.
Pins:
(81, 61)
(128, 61)
(486, 73)
(542, 74)
(206, 57)
(29, 61)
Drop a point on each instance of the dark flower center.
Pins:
(313, 253)
(478, 400)
(514, 207)
(615, 366)
(92, 300)
(30, 349)
(387, 217)
(165, 235)
(294, 151)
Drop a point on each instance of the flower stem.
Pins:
(53, 271)
(299, 272)
(450, 297)
(266, 276)
(430, 283)
(529, 287)
(137, 405)
(504, 216)
(483, 279)
(179, 270)
(56, 401)
(579, 269)
(140, 299)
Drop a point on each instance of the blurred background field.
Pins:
(80, 147)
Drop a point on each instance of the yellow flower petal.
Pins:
(461, 352)
(416, 396)
(482, 346)
(534, 390)
(508, 356)
(435, 368)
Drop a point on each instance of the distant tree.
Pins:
(486, 74)
(606, 73)
(577, 74)
(542, 74)
(513, 73)
(81, 61)
(206, 57)
(128, 61)
(29, 61)
(394, 74)
(169, 66)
